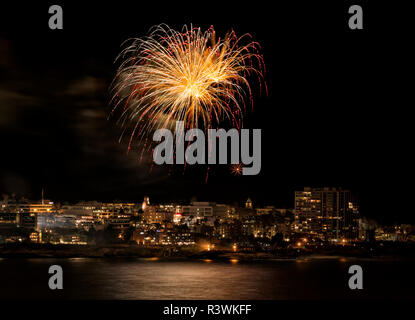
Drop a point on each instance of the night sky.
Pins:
(337, 112)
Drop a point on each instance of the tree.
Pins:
(278, 240)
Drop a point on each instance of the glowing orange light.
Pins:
(191, 76)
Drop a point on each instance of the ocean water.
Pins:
(153, 278)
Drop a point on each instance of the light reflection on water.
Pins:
(155, 278)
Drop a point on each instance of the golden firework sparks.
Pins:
(188, 76)
(236, 169)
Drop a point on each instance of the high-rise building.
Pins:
(329, 213)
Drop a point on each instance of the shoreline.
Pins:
(167, 254)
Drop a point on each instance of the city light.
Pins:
(170, 228)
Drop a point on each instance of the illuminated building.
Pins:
(15, 206)
(64, 221)
(27, 220)
(266, 210)
(159, 213)
(29, 212)
(82, 215)
(248, 204)
(42, 207)
(222, 210)
(26, 214)
(18, 213)
(116, 210)
(43, 211)
(177, 217)
(120, 220)
(145, 203)
(88, 214)
(198, 209)
(36, 237)
(8, 219)
(70, 238)
(330, 213)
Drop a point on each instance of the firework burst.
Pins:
(189, 76)
(236, 169)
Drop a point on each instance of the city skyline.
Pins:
(320, 216)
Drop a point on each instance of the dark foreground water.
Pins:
(158, 279)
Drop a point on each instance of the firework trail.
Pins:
(188, 76)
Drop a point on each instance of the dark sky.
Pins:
(337, 112)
